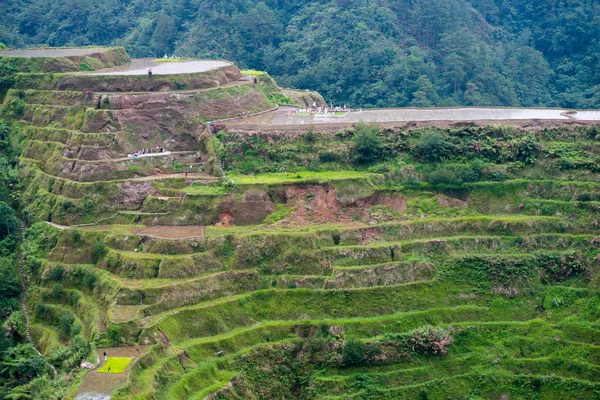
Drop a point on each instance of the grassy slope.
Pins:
(506, 263)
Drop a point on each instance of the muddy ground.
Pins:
(99, 386)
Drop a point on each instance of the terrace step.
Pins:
(442, 387)
(68, 137)
(191, 177)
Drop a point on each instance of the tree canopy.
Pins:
(360, 52)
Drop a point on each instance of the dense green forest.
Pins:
(19, 362)
(369, 53)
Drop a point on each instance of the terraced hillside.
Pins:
(362, 263)
(77, 143)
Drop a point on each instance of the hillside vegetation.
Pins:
(363, 263)
(363, 53)
(366, 263)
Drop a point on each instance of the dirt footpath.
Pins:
(171, 232)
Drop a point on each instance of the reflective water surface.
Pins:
(51, 52)
(141, 66)
(287, 115)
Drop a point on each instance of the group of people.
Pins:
(321, 111)
(147, 151)
(241, 114)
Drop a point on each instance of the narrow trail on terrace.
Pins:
(129, 158)
(24, 297)
(192, 176)
(164, 339)
(191, 91)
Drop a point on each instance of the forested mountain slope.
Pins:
(361, 52)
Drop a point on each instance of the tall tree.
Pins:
(163, 35)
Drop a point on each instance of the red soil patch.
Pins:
(225, 218)
(314, 203)
(318, 204)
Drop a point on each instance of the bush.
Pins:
(584, 197)
(497, 174)
(114, 334)
(528, 149)
(433, 147)
(354, 352)
(328, 156)
(56, 273)
(367, 147)
(430, 341)
(57, 291)
(89, 279)
(66, 322)
(98, 251)
(454, 174)
(43, 311)
(75, 236)
(310, 137)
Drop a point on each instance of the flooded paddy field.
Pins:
(52, 52)
(282, 117)
(141, 66)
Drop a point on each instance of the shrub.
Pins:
(454, 174)
(328, 156)
(114, 334)
(75, 236)
(443, 175)
(593, 131)
(528, 149)
(434, 147)
(430, 341)
(367, 147)
(66, 322)
(89, 279)
(497, 174)
(354, 352)
(98, 251)
(310, 137)
(584, 197)
(57, 291)
(56, 273)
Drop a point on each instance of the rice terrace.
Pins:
(181, 228)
